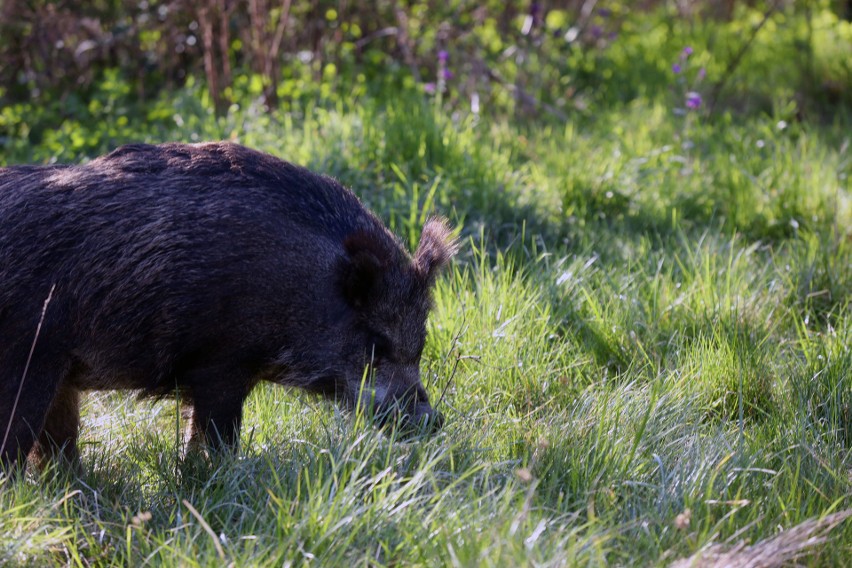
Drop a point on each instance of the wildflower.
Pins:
(596, 31)
(447, 74)
(604, 13)
(687, 51)
(702, 73)
(676, 68)
(429, 88)
(443, 56)
(693, 100)
(682, 520)
(141, 518)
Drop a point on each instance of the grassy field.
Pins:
(642, 351)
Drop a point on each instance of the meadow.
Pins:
(643, 350)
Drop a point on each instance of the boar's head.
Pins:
(389, 294)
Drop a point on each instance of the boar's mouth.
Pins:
(407, 415)
(422, 419)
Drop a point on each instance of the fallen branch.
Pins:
(780, 550)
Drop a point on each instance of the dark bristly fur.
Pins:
(203, 268)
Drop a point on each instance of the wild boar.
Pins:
(200, 270)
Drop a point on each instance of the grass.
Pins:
(643, 353)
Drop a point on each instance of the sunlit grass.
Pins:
(643, 349)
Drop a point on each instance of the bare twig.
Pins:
(402, 41)
(264, 48)
(735, 62)
(522, 94)
(206, 23)
(270, 68)
(211, 12)
(219, 550)
(384, 32)
(225, 8)
(283, 18)
(453, 347)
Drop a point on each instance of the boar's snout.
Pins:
(419, 418)
(427, 418)
(410, 412)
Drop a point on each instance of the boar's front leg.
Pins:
(217, 406)
(58, 439)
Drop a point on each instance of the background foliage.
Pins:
(63, 62)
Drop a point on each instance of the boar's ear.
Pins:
(437, 246)
(361, 270)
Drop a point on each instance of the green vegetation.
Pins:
(644, 348)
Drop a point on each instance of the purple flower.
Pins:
(429, 88)
(604, 13)
(693, 100)
(447, 74)
(676, 68)
(596, 31)
(443, 56)
(702, 73)
(687, 51)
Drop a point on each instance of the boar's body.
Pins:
(200, 269)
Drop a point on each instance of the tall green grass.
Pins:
(642, 350)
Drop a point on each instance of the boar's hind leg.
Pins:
(21, 425)
(58, 438)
